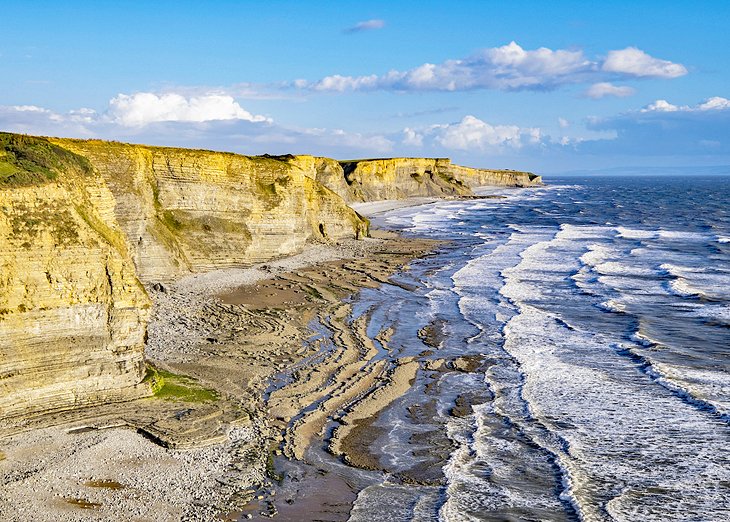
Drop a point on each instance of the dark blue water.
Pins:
(600, 309)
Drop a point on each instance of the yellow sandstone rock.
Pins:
(399, 178)
(73, 315)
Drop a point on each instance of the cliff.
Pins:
(399, 178)
(72, 313)
(84, 223)
(191, 210)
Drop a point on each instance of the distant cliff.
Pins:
(399, 178)
(84, 223)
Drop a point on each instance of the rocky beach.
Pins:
(178, 325)
(230, 332)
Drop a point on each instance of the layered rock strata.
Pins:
(191, 210)
(399, 178)
(73, 314)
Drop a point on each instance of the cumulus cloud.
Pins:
(660, 106)
(367, 25)
(635, 62)
(211, 121)
(716, 103)
(603, 89)
(509, 67)
(473, 134)
(143, 108)
(412, 137)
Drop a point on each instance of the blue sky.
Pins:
(546, 86)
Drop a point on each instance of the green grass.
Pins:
(175, 387)
(313, 292)
(271, 469)
(27, 160)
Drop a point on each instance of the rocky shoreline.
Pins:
(244, 335)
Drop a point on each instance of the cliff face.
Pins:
(72, 313)
(83, 222)
(189, 210)
(399, 178)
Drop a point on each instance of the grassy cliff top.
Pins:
(32, 160)
(29, 160)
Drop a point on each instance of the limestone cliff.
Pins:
(84, 221)
(398, 178)
(193, 210)
(72, 313)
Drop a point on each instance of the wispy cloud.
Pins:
(508, 68)
(604, 89)
(716, 103)
(367, 25)
(428, 112)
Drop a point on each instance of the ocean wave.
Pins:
(682, 235)
(635, 233)
(705, 389)
(613, 305)
(598, 405)
(600, 253)
(568, 231)
(707, 282)
(618, 268)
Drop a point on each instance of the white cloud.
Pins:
(367, 25)
(603, 89)
(716, 103)
(474, 134)
(342, 83)
(206, 123)
(660, 106)
(563, 123)
(412, 138)
(28, 108)
(635, 62)
(664, 129)
(509, 67)
(143, 108)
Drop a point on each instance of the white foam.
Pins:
(618, 268)
(568, 231)
(681, 235)
(703, 281)
(613, 305)
(723, 239)
(635, 233)
(619, 429)
(599, 253)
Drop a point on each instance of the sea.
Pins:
(597, 310)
